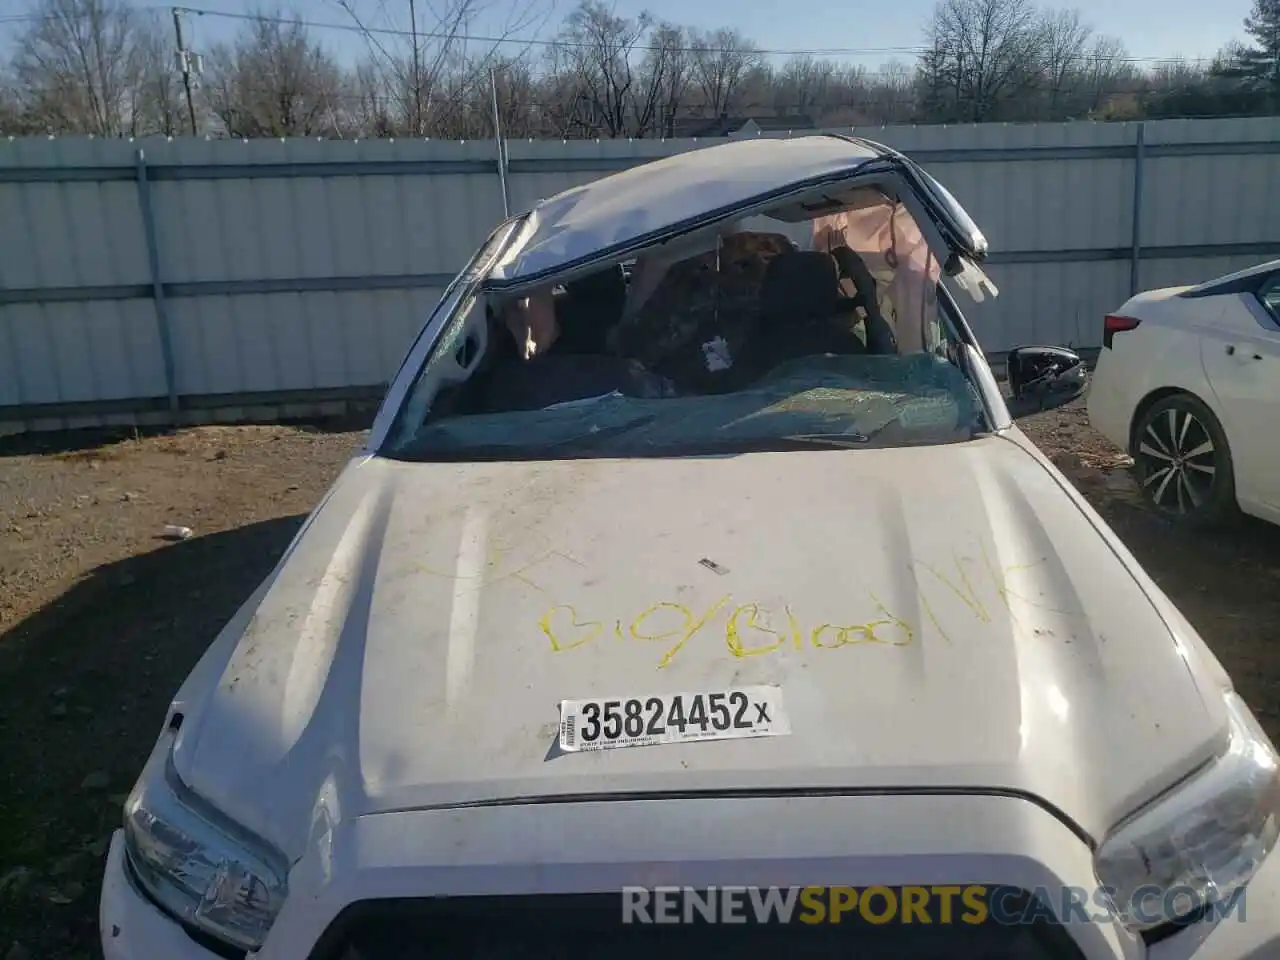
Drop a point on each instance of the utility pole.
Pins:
(184, 64)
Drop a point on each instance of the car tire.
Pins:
(1183, 461)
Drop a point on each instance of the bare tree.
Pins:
(427, 69)
(1063, 39)
(463, 105)
(721, 60)
(889, 94)
(937, 86)
(106, 67)
(409, 79)
(14, 118)
(663, 82)
(157, 101)
(1174, 74)
(558, 98)
(517, 92)
(1102, 72)
(273, 81)
(804, 84)
(76, 65)
(754, 92)
(595, 54)
(1177, 88)
(368, 106)
(986, 51)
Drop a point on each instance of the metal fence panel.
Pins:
(237, 277)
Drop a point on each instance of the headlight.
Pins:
(1203, 842)
(205, 870)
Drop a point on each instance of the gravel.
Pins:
(101, 616)
(69, 512)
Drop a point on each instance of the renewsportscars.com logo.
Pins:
(972, 904)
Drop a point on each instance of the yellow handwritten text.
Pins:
(579, 632)
(967, 582)
(748, 630)
(980, 587)
(690, 625)
(840, 636)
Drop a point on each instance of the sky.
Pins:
(853, 30)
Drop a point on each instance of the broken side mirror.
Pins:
(1042, 378)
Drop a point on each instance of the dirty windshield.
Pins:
(766, 334)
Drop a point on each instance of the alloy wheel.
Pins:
(1179, 461)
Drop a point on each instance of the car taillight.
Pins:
(1114, 324)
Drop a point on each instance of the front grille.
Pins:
(570, 927)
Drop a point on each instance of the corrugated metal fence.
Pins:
(195, 280)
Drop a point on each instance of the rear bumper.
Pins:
(1109, 403)
(603, 847)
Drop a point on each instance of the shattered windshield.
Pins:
(767, 334)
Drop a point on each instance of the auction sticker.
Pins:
(643, 721)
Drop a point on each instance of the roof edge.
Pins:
(684, 227)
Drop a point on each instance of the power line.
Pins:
(542, 41)
(818, 52)
(639, 48)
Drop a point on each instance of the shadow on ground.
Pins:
(84, 685)
(97, 442)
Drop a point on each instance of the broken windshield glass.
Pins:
(833, 401)
(789, 328)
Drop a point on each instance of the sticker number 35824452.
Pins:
(639, 721)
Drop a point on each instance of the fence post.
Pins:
(157, 284)
(1139, 153)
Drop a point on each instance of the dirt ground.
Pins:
(101, 618)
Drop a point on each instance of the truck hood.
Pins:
(936, 617)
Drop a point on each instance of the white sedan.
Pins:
(715, 607)
(1188, 381)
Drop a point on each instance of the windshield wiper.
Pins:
(591, 439)
(851, 440)
(522, 448)
(894, 430)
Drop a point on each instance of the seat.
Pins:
(710, 298)
(803, 311)
(589, 307)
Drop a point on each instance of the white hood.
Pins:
(413, 649)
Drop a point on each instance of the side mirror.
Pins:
(1041, 378)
